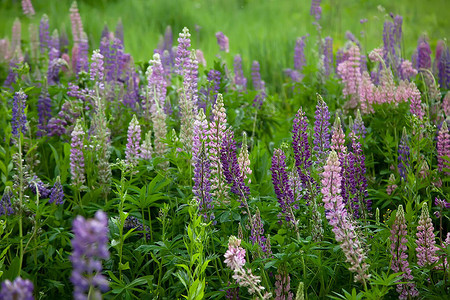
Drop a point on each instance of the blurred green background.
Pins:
(263, 30)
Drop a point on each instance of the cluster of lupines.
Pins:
(90, 246)
(19, 289)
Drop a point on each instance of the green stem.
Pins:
(20, 205)
(150, 224)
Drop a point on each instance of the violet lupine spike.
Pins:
(315, 9)
(244, 160)
(423, 55)
(300, 145)
(44, 34)
(426, 243)
(358, 128)
(90, 247)
(321, 128)
(403, 155)
(132, 222)
(338, 137)
(44, 111)
(231, 168)
(336, 214)
(57, 193)
(443, 147)
(19, 289)
(119, 31)
(240, 81)
(299, 54)
(5, 202)
(283, 191)
(54, 43)
(214, 78)
(134, 142)
(283, 286)
(77, 156)
(97, 70)
(328, 55)
(415, 106)
(217, 130)
(19, 118)
(82, 61)
(156, 86)
(183, 52)
(222, 41)
(258, 85)
(42, 188)
(443, 67)
(27, 8)
(399, 253)
(257, 232)
(361, 195)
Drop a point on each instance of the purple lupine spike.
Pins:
(360, 181)
(16, 50)
(337, 216)
(19, 118)
(44, 34)
(299, 54)
(202, 168)
(321, 128)
(358, 128)
(258, 85)
(5, 202)
(54, 42)
(90, 247)
(283, 191)
(134, 142)
(44, 111)
(157, 85)
(77, 25)
(399, 252)
(27, 8)
(231, 168)
(214, 79)
(403, 155)
(426, 243)
(257, 231)
(315, 9)
(301, 148)
(182, 57)
(119, 31)
(443, 147)
(42, 188)
(423, 55)
(240, 81)
(283, 286)
(223, 42)
(19, 289)
(352, 38)
(132, 222)
(57, 193)
(444, 69)
(328, 55)
(64, 43)
(105, 33)
(232, 293)
(82, 61)
(338, 137)
(77, 156)
(97, 70)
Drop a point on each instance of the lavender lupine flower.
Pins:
(257, 232)
(361, 204)
(77, 25)
(350, 72)
(54, 43)
(358, 128)
(299, 54)
(301, 148)
(132, 222)
(182, 58)
(214, 78)
(244, 160)
(77, 156)
(321, 128)
(258, 85)
(97, 70)
(119, 31)
(202, 171)
(336, 214)
(403, 155)
(146, 147)
(19, 118)
(328, 56)
(426, 244)
(44, 34)
(134, 142)
(399, 252)
(19, 289)
(44, 111)
(283, 286)
(231, 168)
(81, 56)
(443, 147)
(423, 55)
(443, 66)
(315, 9)
(160, 130)
(240, 81)
(415, 106)
(338, 137)
(5, 202)
(156, 86)
(90, 246)
(283, 191)
(222, 40)
(42, 188)
(216, 134)
(27, 8)
(235, 255)
(57, 193)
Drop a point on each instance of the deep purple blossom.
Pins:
(443, 66)
(44, 111)
(321, 128)
(5, 202)
(42, 188)
(257, 231)
(328, 56)
(77, 156)
(19, 289)
(315, 9)
(183, 52)
(300, 144)
(19, 118)
(403, 155)
(223, 42)
(57, 193)
(423, 55)
(299, 54)
(44, 34)
(133, 223)
(240, 81)
(90, 247)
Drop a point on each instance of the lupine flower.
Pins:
(244, 160)
(232, 293)
(119, 31)
(75, 20)
(44, 35)
(338, 137)
(283, 286)
(283, 191)
(44, 111)
(132, 222)
(222, 40)
(300, 145)
(399, 252)
(184, 42)
(415, 106)
(156, 86)
(443, 147)
(407, 70)
(231, 168)
(443, 68)
(97, 70)
(257, 232)
(202, 171)
(57, 193)
(321, 128)
(350, 71)
(361, 203)
(336, 214)
(19, 289)
(328, 55)
(27, 8)
(424, 170)
(315, 9)
(423, 55)
(160, 130)
(240, 81)
(42, 188)
(403, 155)
(258, 85)
(358, 128)
(446, 105)
(213, 87)
(77, 156)
(19, 118)
(146, 147)
(16, 49)
(5, 202)
(235, 255)
(391, 187)
(299, 54)
(426, 249)
(134, 142)
(90, 246)
(216, 134)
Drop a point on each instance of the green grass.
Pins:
(263, 30)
